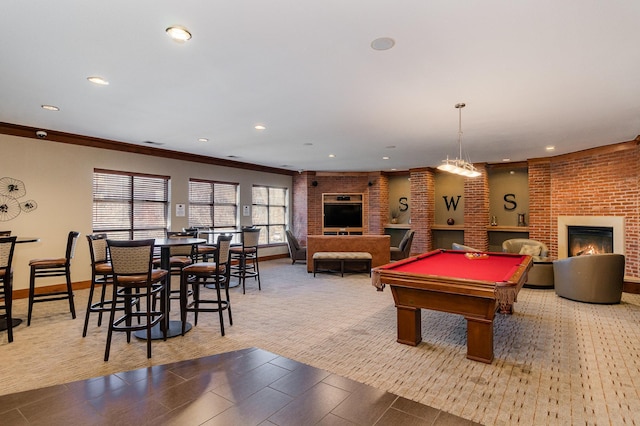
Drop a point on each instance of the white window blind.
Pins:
(213, 204)
(130, 205)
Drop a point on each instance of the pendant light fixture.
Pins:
(459, 166)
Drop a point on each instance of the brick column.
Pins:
(422, 208)
(476, 210)
(542, 226)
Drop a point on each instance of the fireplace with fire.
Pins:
(585, 240)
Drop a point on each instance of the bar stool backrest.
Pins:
(7, 244)
(72, 239)
(131, 257)
(250, 237)
(224, 244)
(98, 248)
(5, 233)
(188, 251)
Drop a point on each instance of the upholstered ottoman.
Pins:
(342, 257)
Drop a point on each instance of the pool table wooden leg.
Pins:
(409, 325)
(480, 339)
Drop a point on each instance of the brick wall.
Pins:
(599, 182)
(299, 205)
(603, 181)
(541, 225)
(340, 183)
(378, 203)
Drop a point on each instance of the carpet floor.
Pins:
(556, 361)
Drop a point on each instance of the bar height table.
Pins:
(17, 321)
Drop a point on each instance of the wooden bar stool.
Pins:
(214, 274)
(132, 263)
(53, 267)
(247, 257)
(101, 275)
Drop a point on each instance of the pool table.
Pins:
(472, 285)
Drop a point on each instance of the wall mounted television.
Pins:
(343, 215)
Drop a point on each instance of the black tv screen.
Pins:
(343, 215)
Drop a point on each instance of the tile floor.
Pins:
(246, 387)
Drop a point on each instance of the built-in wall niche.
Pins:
(399, 199)
(342, 214)
(449, 200)
(508, 195)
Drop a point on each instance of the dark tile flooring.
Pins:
(247, 387)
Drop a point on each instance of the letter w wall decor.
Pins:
(452, 202)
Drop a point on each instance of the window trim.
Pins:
(212, 183)
(131, 201)
(286, 206)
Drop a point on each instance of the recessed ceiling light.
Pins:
(307, 144)
(259, 127)
(178, 33)
(506, 159)
(383, 43)
(550, 148)
(50, 107)
(393, 170)
(203, 140)
(385, 158)
(332, 156)
(98, 80)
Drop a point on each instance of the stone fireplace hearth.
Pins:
(614, 222)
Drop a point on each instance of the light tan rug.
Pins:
(557, 361)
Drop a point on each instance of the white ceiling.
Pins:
(532, 73)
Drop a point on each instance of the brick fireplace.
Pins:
(578, 235)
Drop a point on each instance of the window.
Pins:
(213, 204)
(270, 213)
(130, 205)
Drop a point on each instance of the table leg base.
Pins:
(15, 321)
(409, 325)
(480, 340)
(175, 329)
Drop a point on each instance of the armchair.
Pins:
(458, 246)
(404, 248)
(296, 251)
(534, 248)
(595, 278)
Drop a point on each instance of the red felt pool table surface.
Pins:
(496, 267)
(448, 281)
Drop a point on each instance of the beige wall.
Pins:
(59, 178)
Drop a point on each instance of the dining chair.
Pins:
(132, 263)
(216, 274)
(5, 233)
(7, 245)
(246, 257)
(53, 267)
